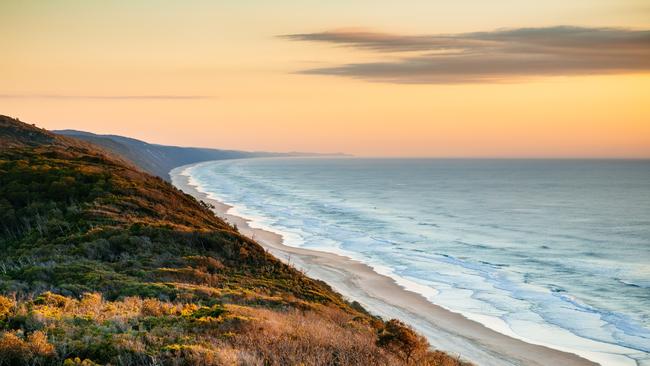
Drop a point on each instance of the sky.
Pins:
(463, 78)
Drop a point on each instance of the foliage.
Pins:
(403, 341)
(104, 264)
(17, 349)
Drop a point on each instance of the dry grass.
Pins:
(136, 331)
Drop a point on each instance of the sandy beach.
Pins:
(381, 295)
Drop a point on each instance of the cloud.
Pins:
(104, 97)
(496, 56)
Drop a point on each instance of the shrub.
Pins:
(155, 307)
(14, 350)
(6, 307)
(78, 362)
(39, 345)
(208, 313)
(402, 341)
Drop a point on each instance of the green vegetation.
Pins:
(104, 264)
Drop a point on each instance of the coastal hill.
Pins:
(105, 264)
(160, 159)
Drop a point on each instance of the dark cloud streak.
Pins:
(496, 56)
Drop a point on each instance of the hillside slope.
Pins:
(105, 264)
(160, 159)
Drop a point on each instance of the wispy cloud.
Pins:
(495, 56)
(104, 97)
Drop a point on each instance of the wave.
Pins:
(504, 296)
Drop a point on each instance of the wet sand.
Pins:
(381, 295)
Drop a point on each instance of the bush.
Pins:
(6, 307)
(401, 340)
(78, 362)
(36, 350)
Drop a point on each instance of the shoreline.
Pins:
(382, 295)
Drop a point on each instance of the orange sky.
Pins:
(217, 74)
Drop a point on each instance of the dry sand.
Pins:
(381, 295)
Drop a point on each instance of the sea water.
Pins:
(554, 252)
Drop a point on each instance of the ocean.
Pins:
(554, 252)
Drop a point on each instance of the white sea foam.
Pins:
(510, 273)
